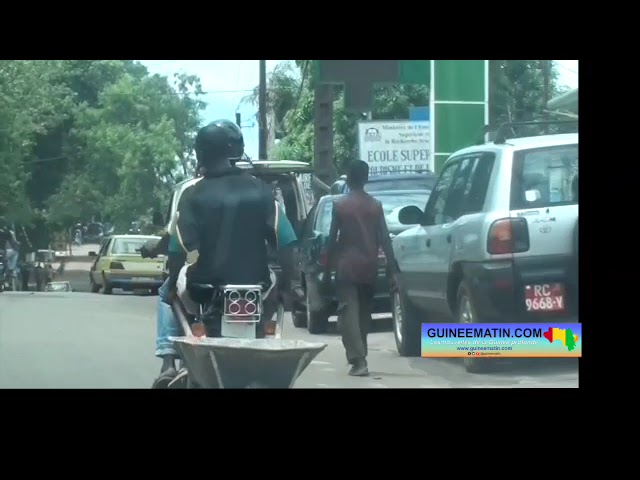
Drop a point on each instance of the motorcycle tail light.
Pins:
(270, 328)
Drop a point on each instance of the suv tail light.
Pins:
(508, 235)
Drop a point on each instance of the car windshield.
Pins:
(128, 246)
(545, 177)
(392, 203)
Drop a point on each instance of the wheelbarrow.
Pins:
(245, 363)
(232, 362)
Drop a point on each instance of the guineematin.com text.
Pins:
(480, 332)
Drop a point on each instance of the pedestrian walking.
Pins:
(358, 232)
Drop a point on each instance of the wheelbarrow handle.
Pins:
(279, 320)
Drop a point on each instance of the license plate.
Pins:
(239, 330)
(547, 297)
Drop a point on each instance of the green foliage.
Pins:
(83, 138)
(517, 88)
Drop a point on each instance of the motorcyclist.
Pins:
(78, 234)
(240, 213)
(11, 248)
(218, 146)
(166, 324)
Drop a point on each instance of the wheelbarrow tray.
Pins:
(246, 363)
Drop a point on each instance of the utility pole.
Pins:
(546, 75)
(323, 136)
(262, 112)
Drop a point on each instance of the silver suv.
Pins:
(497, 241)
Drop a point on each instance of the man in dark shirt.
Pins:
(358, 232)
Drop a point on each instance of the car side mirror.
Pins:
(93, 254)
(410, 215)
(158, 219)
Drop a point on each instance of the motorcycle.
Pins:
(8, 280)
(231, 342)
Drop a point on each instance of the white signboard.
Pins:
(305, 179)
(395, 146)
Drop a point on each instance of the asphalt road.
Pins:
(83, 340)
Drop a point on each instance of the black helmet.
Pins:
(220, 140)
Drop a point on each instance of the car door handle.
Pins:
(448, 238)
(428, 242)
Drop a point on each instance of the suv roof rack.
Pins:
(501, 132)
(402, 170)
(408, 170)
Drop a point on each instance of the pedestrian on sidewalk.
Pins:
(358, 232)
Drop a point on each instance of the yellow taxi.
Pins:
(118, 264)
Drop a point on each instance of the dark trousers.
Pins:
(354, 318)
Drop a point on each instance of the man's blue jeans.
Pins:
(167, 324)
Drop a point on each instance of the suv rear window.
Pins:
(545, 177)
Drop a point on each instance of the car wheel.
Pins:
(317, 321)
(466, 314)
(95, 288)
(107, 289)
(406, 325)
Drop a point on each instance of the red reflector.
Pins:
(503, 284)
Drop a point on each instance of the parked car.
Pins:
(496, 242)
(94, 233)
(314, 306)
(118, 264)
(410, 180)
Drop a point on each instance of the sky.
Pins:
(227, 82)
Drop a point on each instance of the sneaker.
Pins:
(359, 370)
(165, 378)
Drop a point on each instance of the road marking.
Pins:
(320, 362)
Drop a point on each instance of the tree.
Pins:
(283, 92)
(92, 137)
(516, 94)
